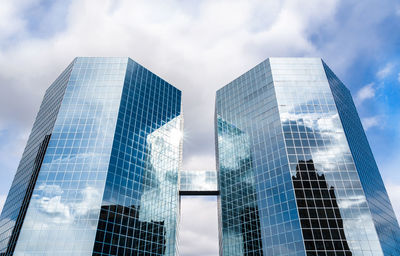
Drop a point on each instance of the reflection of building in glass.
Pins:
(292, 110)
(318, 211)
(121, 231)
(250, 229)
(110, 169)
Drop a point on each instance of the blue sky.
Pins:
(199, 46)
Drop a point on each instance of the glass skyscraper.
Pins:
(101, 171)
(99, 174)
(295, 171)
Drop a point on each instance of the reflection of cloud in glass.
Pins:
(160, 194)
(199, 180)
(55, 211)
(323, 127)
(240, 221)
(352, 201)
(48, 202)
(51, 213)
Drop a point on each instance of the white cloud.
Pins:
(10, 23)
(197, 162)
(198, 47)
(369, 122)
(198, 227)
(12, 144)
(393, 190)
(385, 71)
(2, 201)
(366, 92)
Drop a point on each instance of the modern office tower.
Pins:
(99, 174)
(295, 171)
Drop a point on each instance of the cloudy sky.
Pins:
(199, 46)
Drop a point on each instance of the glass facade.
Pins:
(317, 190)
(108, 181)
(200, 180)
